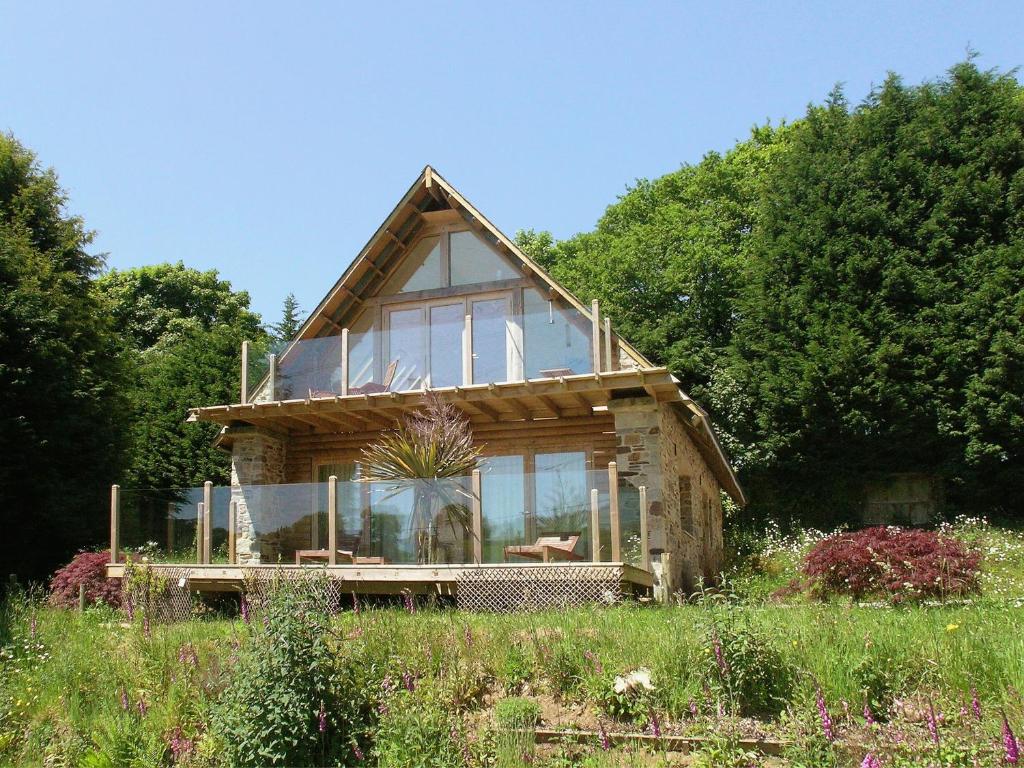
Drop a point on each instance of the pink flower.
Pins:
(693, 708)
(356, 609)
(1010, 745)
(655, 725)
(869, 719)
(409, 681)
(606, 743)
(933, 726)
(245, 609)
(124, 700)
(826, 719)
(322, 718)
(975, 703)
(143, 706)
(594, 661)
(410, 605)
(723, 665)
(870, 761)
(357, 751)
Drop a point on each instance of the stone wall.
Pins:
(684, 500)
(257, 459)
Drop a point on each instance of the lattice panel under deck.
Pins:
(318, 590)
(163, 595)
(510, 588)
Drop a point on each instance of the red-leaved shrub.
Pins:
(87, 568)
(893, 563)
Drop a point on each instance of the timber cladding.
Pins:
(595, 434)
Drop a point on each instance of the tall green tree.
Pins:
(182, 330)
(880, 329)
(291, 319)
(61, 377)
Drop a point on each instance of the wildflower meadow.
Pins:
(763, 670)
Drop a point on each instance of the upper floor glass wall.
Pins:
(446, 260)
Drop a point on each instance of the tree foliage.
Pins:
(844, 293)
(60, 374)
(182, 330)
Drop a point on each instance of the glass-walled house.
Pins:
(591, 454)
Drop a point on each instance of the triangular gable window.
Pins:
(473, 261)
(449, 259)
(421, 269)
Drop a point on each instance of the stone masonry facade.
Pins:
(257, 460)
(684, 498)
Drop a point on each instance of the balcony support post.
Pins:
(613, 511)
(332, 520)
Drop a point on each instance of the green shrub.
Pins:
(515, 669)
(626, 697)
(516, 719)
(286, 675)
(565, 668)
(882, 678)
(418, 730)
(123, 741)
(746, 667)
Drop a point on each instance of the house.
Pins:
(594, 457)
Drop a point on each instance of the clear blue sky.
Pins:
(268, 141)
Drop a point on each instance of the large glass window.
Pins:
(361, 343)
(350, 507)
(446, 325)
(490, 339)
(407, 348)
(503, 502)
(556, 338)
(563, 504)
(420, 270)
(473, 261)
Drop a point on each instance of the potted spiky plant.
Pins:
(428, 450)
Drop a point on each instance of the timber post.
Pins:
(171, 510)
(232, 534)
(200, 519)
(207, 522)
(344, 362)
(595, 318)
(272, 378)
(613, 511)
(645, 553)
(467, 352)
(478, 520)
(245, 372)
(608, 343)
(115, 523)
(332, 520)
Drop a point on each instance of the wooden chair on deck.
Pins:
(548, 547)
(347, 548)
(366, 389)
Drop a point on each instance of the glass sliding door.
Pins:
(407, 348)
(562, 499)
(491, 318)
(350, 506)
(447, 322)
(503, 505)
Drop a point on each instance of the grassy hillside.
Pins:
(426, 687)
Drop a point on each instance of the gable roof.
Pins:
(432, 198)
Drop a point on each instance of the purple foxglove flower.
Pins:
(869, 719)
(594, 661)
(468, 635)
(356, 609)
(129, 610)
(245, 609)
(124, 700)
(606, 743)
(143, 706)
(322, 718)
(826, 719)
(693, 708)
(410, 605)
(1010, 745)
(409, 681)
(933, 725)
(655, 724)
(870, 761)
(723, 665)
(357, 751)
(975, 703)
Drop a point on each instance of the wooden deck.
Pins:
(394, 579)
